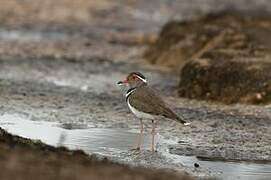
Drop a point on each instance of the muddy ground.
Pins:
(64, 69)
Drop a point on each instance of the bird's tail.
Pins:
(182, 121)
(172, 115)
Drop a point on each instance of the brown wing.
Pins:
(146, 100)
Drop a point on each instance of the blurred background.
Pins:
(55, 24)
(60, 61)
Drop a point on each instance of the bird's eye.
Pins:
(134, 77)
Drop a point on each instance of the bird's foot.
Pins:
(153, 150)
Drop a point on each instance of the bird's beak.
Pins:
(120, 83)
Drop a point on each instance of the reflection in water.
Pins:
(111, 142)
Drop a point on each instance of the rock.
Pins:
(225, 58)
(228, 81)
(229, 35)
(196, 165)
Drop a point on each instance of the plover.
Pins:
(145, 103)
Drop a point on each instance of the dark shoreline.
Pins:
(21, 158)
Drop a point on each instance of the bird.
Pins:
(146, 104)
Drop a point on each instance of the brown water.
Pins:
(117, 144)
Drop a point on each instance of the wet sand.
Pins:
(117, 145)
(67, 73)
(47, 162)
(79, 92)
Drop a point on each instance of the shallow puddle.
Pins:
(91, 140)
(113, 142)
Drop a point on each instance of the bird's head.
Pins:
(134, 79)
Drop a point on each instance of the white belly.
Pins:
(139, 114)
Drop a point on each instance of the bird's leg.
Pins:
(139, 141)
(153, 135)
